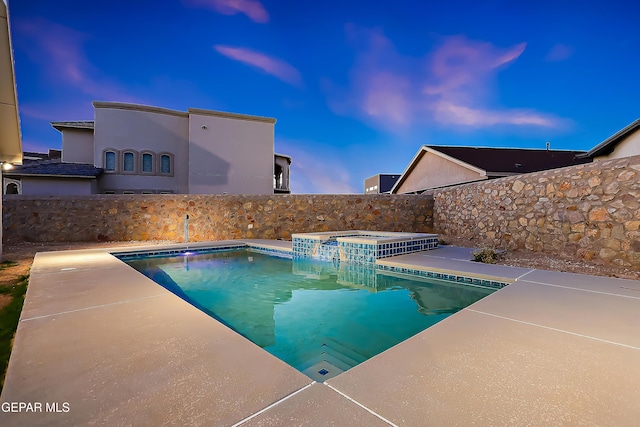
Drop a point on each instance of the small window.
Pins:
(165, 164)
(128, 162)
(127, 192)
(12, 188)
(147, 163)
(109, 161)
(147, 192)
(109, 192)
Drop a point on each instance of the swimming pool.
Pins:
(320, 317)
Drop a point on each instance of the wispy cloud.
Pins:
(316, 168)
(559, 52)
(37, 146)
(452, 85)
(253, 9)
(57, 111)
(269, 64)
(60, 52)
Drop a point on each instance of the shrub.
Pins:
(486, 255)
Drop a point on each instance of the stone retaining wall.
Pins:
(590, 211)
(211, 217)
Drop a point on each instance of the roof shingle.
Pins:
(55, 168)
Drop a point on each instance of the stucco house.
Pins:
(381, 183)
(624, 143)
(438, 166)
(132, 149)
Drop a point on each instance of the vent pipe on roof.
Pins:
(548, 145)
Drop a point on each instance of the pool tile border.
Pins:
(455, 278)
(124, 256)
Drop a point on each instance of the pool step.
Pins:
(333, 352)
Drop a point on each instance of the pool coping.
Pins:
(88, 289)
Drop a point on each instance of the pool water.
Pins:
(320, 317)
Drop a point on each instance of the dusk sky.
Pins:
(356, 86)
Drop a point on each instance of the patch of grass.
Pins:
(7, 264)
(486, 255)
(9, 316)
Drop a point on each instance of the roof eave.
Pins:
(608, 145)
(47, 175)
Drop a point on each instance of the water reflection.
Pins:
(307, 311)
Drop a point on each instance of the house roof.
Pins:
(609, 144)
(32, 156)
(497, 162)
(78, 124)
(509, 161)
(54, 168)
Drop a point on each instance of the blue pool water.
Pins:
(320, 317)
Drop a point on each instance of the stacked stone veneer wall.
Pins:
(211, 217)
(590, 211)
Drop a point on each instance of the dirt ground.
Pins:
(22, 255)
(559, 262)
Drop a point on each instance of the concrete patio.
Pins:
(549, 349)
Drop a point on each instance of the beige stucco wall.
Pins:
(630, 146)
(372, 181)
(123, 126)
(77, 146)
(10, 143)
(432, 171)
(231, 155)
(34, 186)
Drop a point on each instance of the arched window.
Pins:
(166, 164)
(11, 186)
(128, 162)
(147, 162)
(110, 160)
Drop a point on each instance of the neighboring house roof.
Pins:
(284, 156)
(509, 161)
(55, 169)
(32, 156)
(497, 162)
(609, 144)
(79, 124)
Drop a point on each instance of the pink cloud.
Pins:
(559, 52)
(274, 66)
(61, 54)
(451, 85)
(449, 113)
(37, 146)
(253, 9)
(58, 111)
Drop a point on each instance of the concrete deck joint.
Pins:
(590, 290)
(553, 329)
(263, 410)
(528, 272)
(94, 307)
(360, 405)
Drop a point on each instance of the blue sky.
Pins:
(356, 86)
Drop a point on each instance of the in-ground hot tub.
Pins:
(361, 247)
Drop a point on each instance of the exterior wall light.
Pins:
(7, 166)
